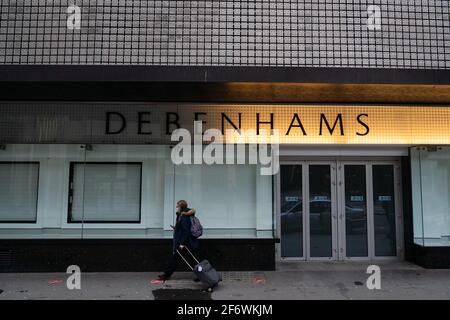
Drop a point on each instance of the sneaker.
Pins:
(163, 277)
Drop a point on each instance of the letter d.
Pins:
(121, 118)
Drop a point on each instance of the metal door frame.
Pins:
(334, 210)
(338, 213)
(305, 207)
(370, 209)
(278, 212)
(342, 219)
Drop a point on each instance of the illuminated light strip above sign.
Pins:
(150, 122)
(330, 124)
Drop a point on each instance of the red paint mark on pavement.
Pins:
(55, 281)
(259, 280)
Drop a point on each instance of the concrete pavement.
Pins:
(306, 280)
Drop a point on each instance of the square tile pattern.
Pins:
(414, 34)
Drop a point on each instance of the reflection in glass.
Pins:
(18, 191)
(105, 192)
(320, 211)
(291, 211)
(355, 211)
(384, 210)
(430, 182)
(224, 196)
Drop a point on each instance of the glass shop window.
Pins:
(430, 180)
(223, 195)
(18, 191)
(105, 192)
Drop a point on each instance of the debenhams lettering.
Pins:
(325, 124)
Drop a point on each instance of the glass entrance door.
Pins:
(308, 213)
(339, 210)
(353, 210)
(321, 211)
(291, 211)
(369, 212)
(386, 219)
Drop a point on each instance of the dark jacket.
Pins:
(182, 234)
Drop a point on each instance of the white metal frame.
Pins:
(338, 206)
(278, 211)
(342, 219)
(333, 210)
(305, 203)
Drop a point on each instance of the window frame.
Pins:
(70, 221)
(37, 193)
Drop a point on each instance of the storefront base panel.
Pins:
(130, 255)
(432, 257)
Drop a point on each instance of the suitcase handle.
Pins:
(189, 265)
(192, 254)
(186, 260)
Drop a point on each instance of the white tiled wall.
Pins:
(289, 33)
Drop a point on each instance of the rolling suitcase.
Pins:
(203, 271)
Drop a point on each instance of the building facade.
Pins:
(357, 95)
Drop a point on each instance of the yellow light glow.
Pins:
(399, 125)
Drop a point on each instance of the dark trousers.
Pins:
(175, 259)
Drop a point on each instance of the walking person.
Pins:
(181, 237)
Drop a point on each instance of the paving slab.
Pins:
(297, 280)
